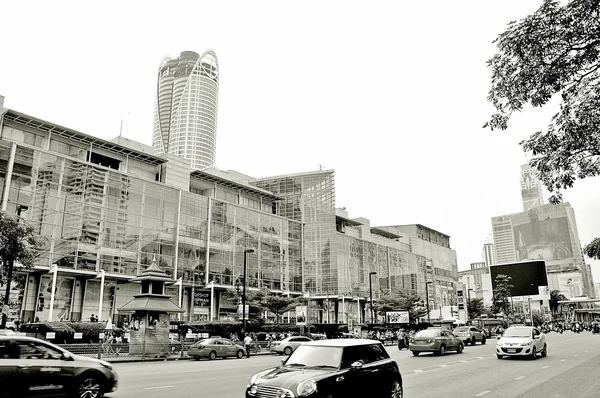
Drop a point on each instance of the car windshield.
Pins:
(315, 356)
(517, 332)
(461, 329)
(428, 333)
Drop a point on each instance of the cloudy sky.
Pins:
(390, 94)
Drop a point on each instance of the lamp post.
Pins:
(244, 290)
(179, 283)
(371, 293)
(101, 275)
(427, 298)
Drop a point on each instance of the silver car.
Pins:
(521, 341)
(288, 345)
(216, 347)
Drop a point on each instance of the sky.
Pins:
(392, 95)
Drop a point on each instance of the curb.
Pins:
(160, 359)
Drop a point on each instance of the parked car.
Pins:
(216, 347)
(470, 334)
(435, 340)
(335, 367)
(521, 341)
(33, 367)
(340, 335)
(288, 345)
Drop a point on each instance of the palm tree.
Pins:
(555, 297)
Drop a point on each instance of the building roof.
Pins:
(348, 221)
(220, 178)
(306, 173)
(151, 303)
(385, 233)
(74, 135)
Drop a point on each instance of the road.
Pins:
(569, 370)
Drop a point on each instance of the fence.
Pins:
(113, 350)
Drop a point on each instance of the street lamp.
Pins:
(244, 290)
(371, 293)
(427, 297)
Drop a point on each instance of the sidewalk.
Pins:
(177, 357)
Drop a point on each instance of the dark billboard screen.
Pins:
(526, 276)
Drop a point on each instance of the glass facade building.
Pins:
(99, 205)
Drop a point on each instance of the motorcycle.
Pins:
(403, 343)
(596, 329)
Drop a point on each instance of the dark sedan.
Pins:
(326, 368)
(31, 367)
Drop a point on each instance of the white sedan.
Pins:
(521, 341)
(288, 345)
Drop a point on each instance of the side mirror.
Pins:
(284, 360)
(356, 365)
(66, 356)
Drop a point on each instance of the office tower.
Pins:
(488, 255)
(185, 119)
(531, 188)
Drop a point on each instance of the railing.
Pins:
(113, 350)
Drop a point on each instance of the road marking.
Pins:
(418, 370)
(519, 378)
(545, 367)
(562, 360)
(443, 366)
(481, 394)
(481, 357)
(576, 355)
(156, 388)
(463, 361)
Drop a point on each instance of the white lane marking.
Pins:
(481, 394)
(481, 357)
(463, 361)
(157, 387)
(562, 360)
(519, 378)
(545, 367)
(443, 366)
(418, 370)
(576, 355)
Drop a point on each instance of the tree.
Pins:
(554, 52)
(399, 302)
(278, 305)
(502, 293)
(475, 307)
(18, 243)
(555, 297)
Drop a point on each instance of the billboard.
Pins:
(526, 276)
(547, 239)
(396, 317)
(301, 313)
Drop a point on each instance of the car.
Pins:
(288, 345)
(334, 367)
(435, 340)
(33, 367)
(470, 334)
(521, 341)
(216, 347)
(340, 335)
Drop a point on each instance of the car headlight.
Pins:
(526, 342)
(306, 388)
(499, 342)
(253, 380)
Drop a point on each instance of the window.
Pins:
(34, 350)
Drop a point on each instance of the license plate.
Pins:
(511, 350)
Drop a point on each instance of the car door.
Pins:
(538, 341)
(448, 340)
(354, 382)
(228, 348)
(42, 369)
(12, 383)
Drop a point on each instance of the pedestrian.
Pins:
(247, 344)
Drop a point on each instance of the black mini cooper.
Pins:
(331, 369)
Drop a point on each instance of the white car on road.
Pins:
(521, 341)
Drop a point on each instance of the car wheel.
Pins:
(533, 353)
(396, 390)
(239, 354)
(499, 356)
(442, 349)
(469, 342)
(288, 351)
(196, 358)
(416, 353)
(460, 348)
(483, 340)
(545, 351)
(212, 355)
(89, 387)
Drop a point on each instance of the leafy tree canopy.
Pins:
(502, 293)
(554, 52)
(476, 307)
(399, 302)
(18, 241)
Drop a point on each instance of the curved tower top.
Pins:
(185, 119)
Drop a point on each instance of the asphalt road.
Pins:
(571, 369)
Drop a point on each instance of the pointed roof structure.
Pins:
(152, 297)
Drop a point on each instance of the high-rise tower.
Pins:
(185, 119)
(531, 188)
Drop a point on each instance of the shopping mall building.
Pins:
(114, 206)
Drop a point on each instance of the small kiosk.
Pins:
(149, 334)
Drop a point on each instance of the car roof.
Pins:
(341, 342)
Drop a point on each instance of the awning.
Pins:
(160, 304)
